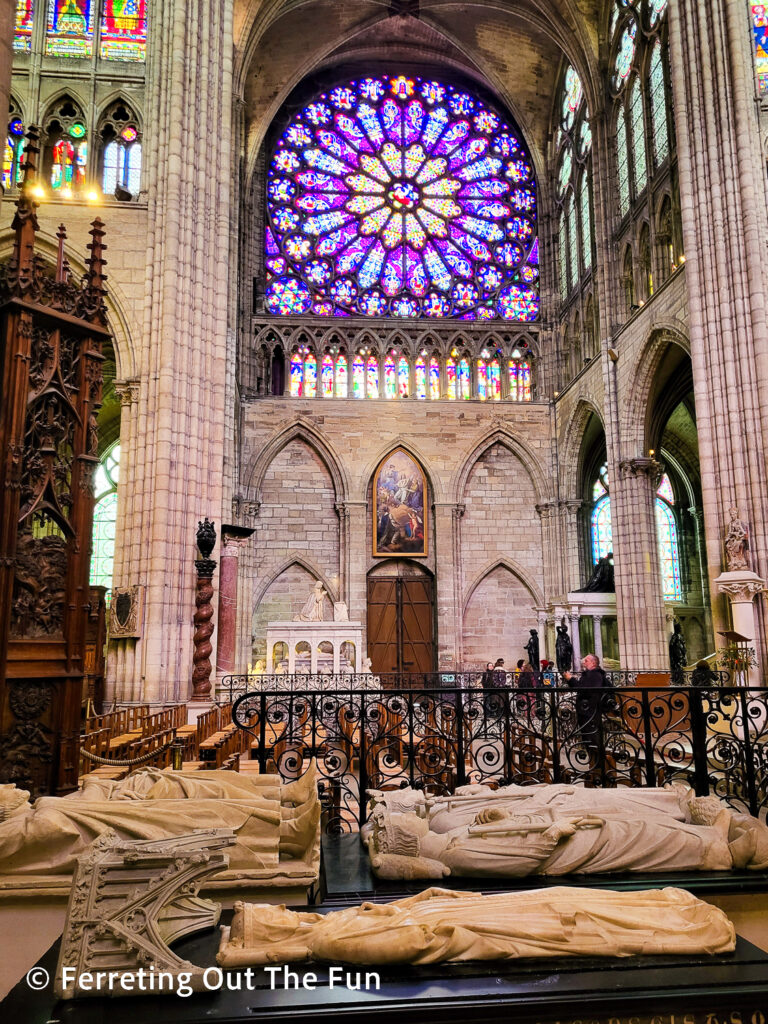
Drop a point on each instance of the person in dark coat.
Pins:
(589, 704)
(703, 675)
(487, 678)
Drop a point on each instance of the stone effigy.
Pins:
(440, 926)
(276, 825)
(558, 830)
(131, 899)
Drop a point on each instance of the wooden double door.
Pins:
(401, 624)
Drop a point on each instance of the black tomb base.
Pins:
(726, 989)
(346, 877)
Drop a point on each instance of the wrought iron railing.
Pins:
(715, 740)
(233, 686)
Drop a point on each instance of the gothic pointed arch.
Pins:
(516, 569)
(295, 560)
(300, 430)
(518, 448)
(365, 481)
(571, 468)
(636, 421)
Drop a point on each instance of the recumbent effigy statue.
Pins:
(276, 825)
(558, 830)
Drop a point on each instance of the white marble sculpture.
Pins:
(559, 830)
(276, 825)
(313, 606)
(444, 926)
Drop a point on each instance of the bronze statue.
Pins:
(532, 647)
(602, 579)
(677, 655)
(563, 649)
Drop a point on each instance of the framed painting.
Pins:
(399, 507)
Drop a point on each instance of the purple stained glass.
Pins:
(398, 196)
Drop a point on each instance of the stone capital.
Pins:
(127, 391)
(546, 510)
(644, 466)
(245, 509)
(741, 587)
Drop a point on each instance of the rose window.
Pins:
(401, 197)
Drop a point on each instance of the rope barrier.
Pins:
(129, 762)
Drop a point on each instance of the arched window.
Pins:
(629, 280)
(123, 30)
(341, 376)
(69, 29)
(66, 147)
(121, 150)
(646, 265)
(519, 377)
(465, 379)
(403, 377)
(421, 377)
(434, 378)
(358, 377)
(310, 376)
(760, 29)
(623, 163)
(494, 380)
(22, 34)
(563, 254)
(658, 106)
(669, 547)
(13, 154)
(372, 377)
(573, 242)
(482, 380)
(297, 374)
(405, 197)
(601, 532)
(637, 122)
(390, 377)
(105, 482)
(450, 378)
(326, 376)
(585, 202)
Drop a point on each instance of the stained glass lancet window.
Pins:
(399, 196)
(669, 547)
(69, 30)
(22, 34)
(658, 106)
(623, 165)
(123, 30)
(760, 28)
(13, 153)
(600, 522)
(636, 115)
(104, 518)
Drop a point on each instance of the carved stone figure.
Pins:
(276, 825)
(340, 611)
(532, 647)
(367, 663)
(510, 835)
(737, 543)
(602, 579)
(563, 649)
(313, 606)
(677, 655)
(440, 926)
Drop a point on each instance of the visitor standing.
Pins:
(588, 701)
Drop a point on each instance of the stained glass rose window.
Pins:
(398, 196)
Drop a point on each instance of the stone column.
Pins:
(233, 538)
(639, 602)
(724, 208)
(597, 626)
(446, 518)
(575, 619)
(741, 588)
(176, 461)
(357, 560)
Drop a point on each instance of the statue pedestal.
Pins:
(742, 586)
(314, 634)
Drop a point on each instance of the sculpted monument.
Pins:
(558, 830)
(276, 825)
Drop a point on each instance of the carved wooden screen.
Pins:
(51, 336)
